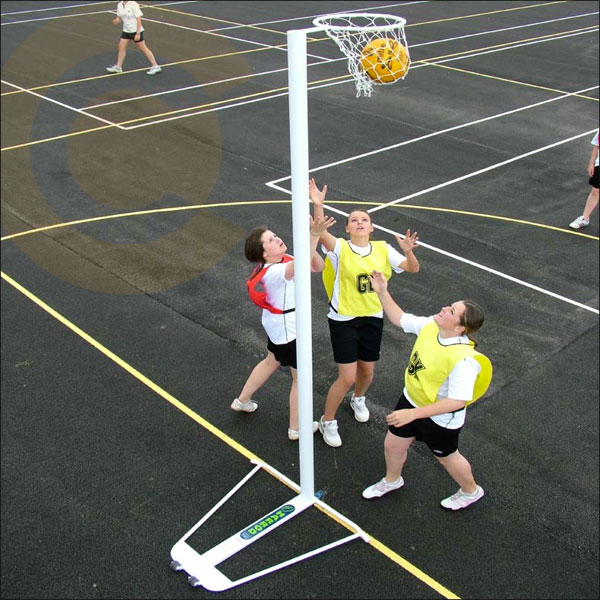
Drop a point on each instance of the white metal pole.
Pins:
(298, 106)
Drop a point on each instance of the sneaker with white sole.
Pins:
(294, 434)
(248, 407)
(381, 488)
(579, 222)
(461, 499)
(114, 69)
(329, 429)
(153, 70)
(361, 412)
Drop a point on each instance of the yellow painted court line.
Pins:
(287, 201)
(178, 111)
(131, 370)
(508, 44)
(264, 93)
(539, 87)
(483, 14)
(415, 571)
(172, 64)
(159, 7)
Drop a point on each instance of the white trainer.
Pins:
(329, 429)
(248, 407)
(461, 499)
(381, 488)
(294, 434)
(114, 69)
(579, 222)
(153, 70)
(361, 412)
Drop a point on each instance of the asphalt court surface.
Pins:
(126, 329)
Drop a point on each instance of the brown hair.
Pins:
(358, 210)
(254, 249)
(472, 319)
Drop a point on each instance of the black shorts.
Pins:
(357, 339)
(441, 441)
(283, 353)
(594, 178)
(125, 35)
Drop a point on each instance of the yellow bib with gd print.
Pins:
(356, 296)
(431, 363)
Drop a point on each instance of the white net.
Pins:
(375, 46)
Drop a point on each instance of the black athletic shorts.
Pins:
(125, 35)
(357, 339)
(441, 441)
(284, 353)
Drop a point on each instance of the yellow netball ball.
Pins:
(384, 60)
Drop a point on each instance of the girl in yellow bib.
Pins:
(444, 375)
(355, 314)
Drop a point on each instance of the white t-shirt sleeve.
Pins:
(461, 380)
(395, 259)
(413, 324)
(137, 11)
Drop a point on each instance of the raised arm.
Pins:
(407, 245)
(380, 286)
(317, 227)
(317, 197)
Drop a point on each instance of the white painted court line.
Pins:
(435, 134)
(109, 10)
(469, 262)
(63, 105)
(484, 170)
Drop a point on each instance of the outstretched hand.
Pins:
(319, 225)
(316, 195)
(378, 282)
(409, 243)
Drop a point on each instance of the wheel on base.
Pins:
(176, 566)
(193, 581)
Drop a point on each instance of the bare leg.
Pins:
(591, 203)
(396, 451)
(261, 372)
(339, 388)
(364, 377)
(294, 400)
(142, 46)
(122, 51)
(459, 469)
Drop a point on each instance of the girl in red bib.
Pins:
(271, 287)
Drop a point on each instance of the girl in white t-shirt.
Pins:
(592, 200)
(274, 272)
(131, 15)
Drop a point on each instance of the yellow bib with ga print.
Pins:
(431, 363)
(356, 296)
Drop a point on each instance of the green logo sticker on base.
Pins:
(269, 520)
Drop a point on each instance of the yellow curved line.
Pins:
(249, 202)
(210, 427)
